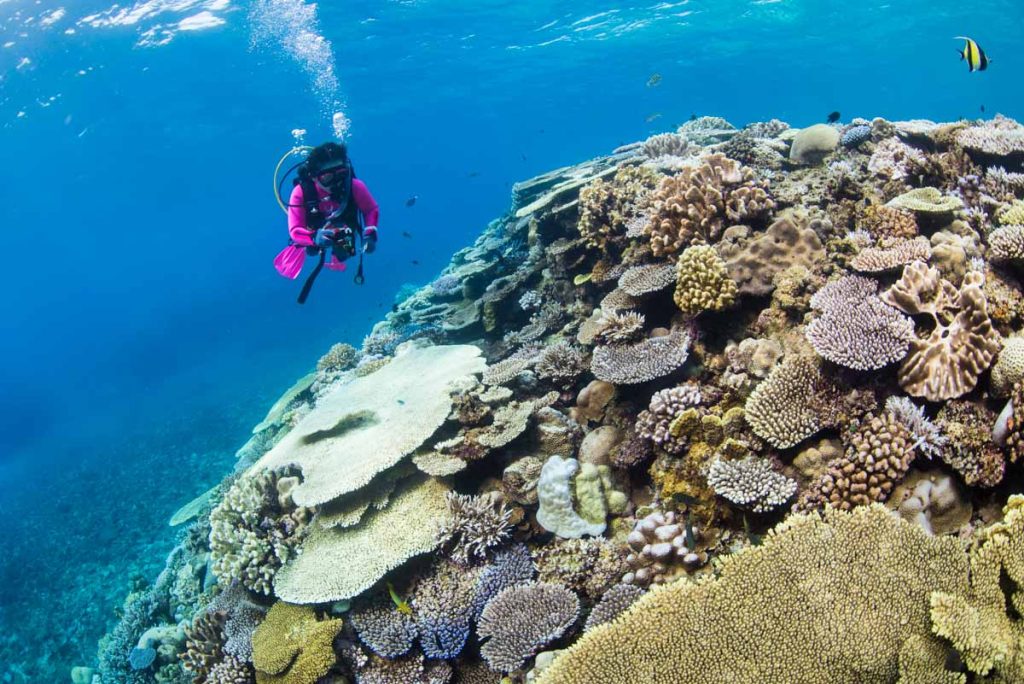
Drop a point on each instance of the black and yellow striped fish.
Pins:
(973, 54)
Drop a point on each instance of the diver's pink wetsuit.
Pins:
(289, 262)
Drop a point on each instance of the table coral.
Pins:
(642, 280)
(926, 201)
(892, 255)
(383, 628)
(636, 363)
(865, 573)
(702, 281)
(781, 408)
(521, 620)
(984, 625)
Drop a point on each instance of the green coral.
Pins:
(292, 647)
(702, 281)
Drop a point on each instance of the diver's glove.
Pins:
(369, 239)
(325, 237)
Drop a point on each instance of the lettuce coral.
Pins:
(292, 646)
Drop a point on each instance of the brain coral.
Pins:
(692, 206)
(864, 574)
(341, 563)
(292, 647)
(367, 426)
(812, 144)
(702, 282)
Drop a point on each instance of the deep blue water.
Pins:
(144, 329)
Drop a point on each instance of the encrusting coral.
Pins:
(292, 646)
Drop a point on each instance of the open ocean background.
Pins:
(144, 330)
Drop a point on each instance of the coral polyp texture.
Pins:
(725, 405)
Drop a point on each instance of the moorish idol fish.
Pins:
(973, 54)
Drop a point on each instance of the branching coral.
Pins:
(782, 408)
(751, 483)
(984, 625)
(383, 628)
(1006, 244)
(619, 328)
(442, 603)
(895, 253)
(970, 450)
(653, 423)
(476, 524)
(887, 222)
(340, 357)
(856, 329)
(864, 573)
(928, 438)
(640, 362)
(879, 454)
(252, 535)
(667, 144)
(702, 281)
(562, 361)
(204, 657)
(605, 206)
(520, 620)
(692, 206)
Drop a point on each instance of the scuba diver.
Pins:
(329, 209)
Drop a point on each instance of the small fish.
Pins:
(833, 117)
(412, 200)
(472, 174)
(400, 603)
(982, 109)
(972, 54)
(414, 262)
(523, 155)
(654, 80)
(652, 117)
(693, 117)
(401, 402)
(406, 234)
(394, 308)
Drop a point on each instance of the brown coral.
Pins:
(781, 409)
(892, 255)
(692, 206)
(877, 458)
(886, 222)
(605, 206)
(753, 261)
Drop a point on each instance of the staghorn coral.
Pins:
(666, 145)
(865, 573)
(340, 357)
(619, 328)
(292, 646)
(562, 361)
(383, 628)
(1006, 244)
(947, 363)
(702, 281)
(878, 456)
(894, 254)
(692, 206)
(521, 620)
(888, 222)
(251, 534)
(928, 437)
(751, 483)
(856, 329)
(614, 602)
(475, 525)
(984, 624)
(782, 409)
(638, 281)
(633, 364)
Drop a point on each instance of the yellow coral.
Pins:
(829, 599)
(702, 282)
(1012, 215)
(979, 624)
(292, 647)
